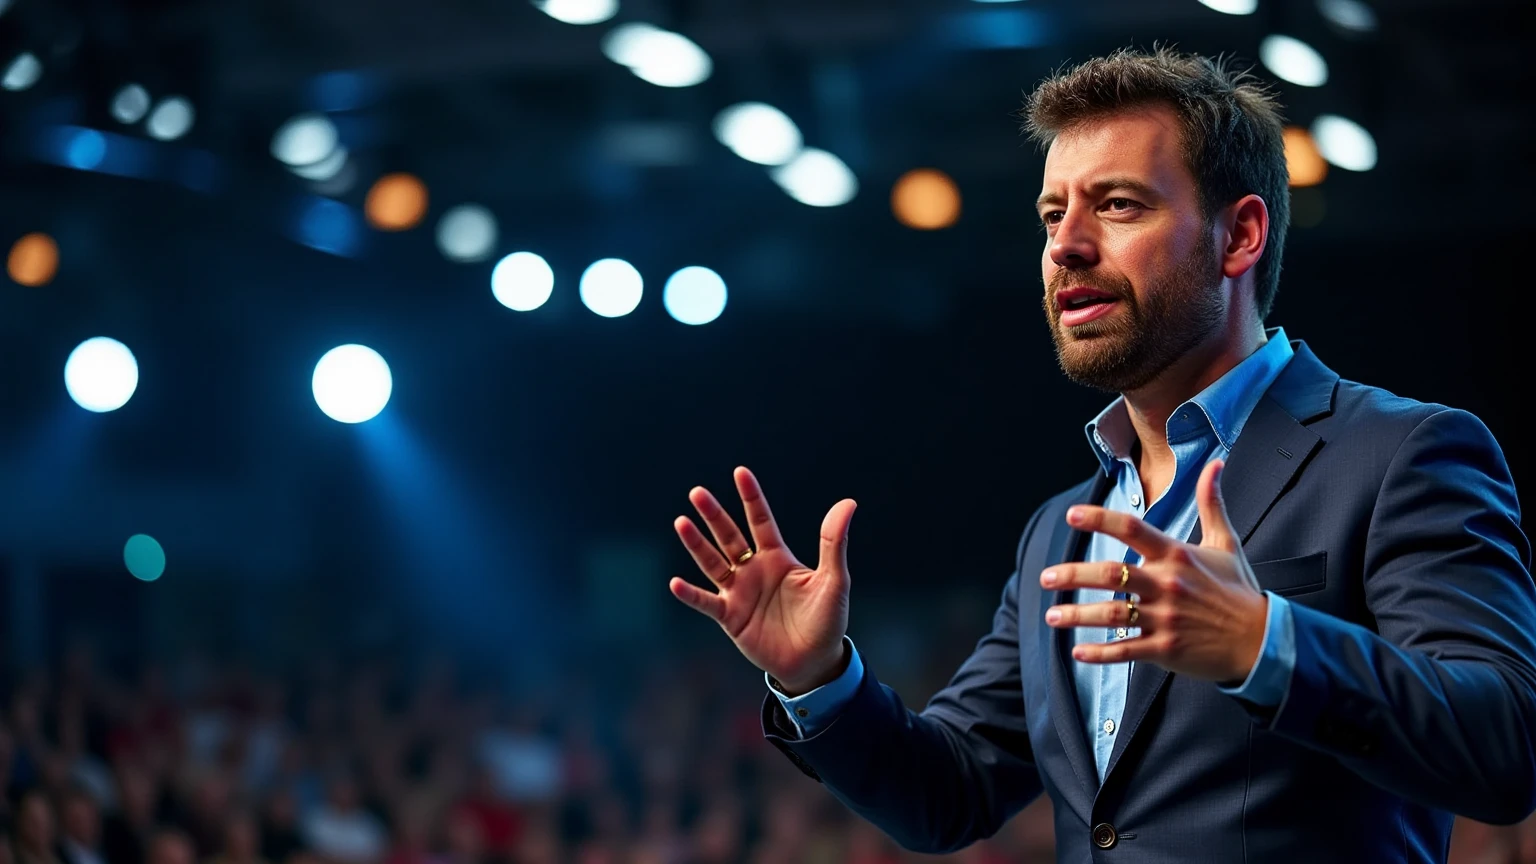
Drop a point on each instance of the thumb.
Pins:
(1216, 530)
(834, 535)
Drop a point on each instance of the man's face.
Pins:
(1131, 271)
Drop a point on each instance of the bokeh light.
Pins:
(171, 119)
(658, 56)
(522, 281)
(1344, 142)
(1293, 60)
(758, 132)
(34, 260)
(352, 383)
(694, 295)
(1233, 7)
(579, 11)
(85, 150)
(466, 233)
(1351, 15)
(22, 72)
(611, 287)
(817, 178)
(144, 557)
(101, 374)
(130, 104)
(396, 202)
(1303, 162)
(306, 139)
(926, 199)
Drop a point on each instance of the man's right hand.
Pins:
(786, 618)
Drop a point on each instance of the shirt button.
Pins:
(802, 712)
(1109, 727)
(1135, 500)
(1121, 632)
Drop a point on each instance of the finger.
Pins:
(698, 599)
(1128, 529)
(834, 535)
(1215, 526)
(720, 523)
(704, 553)
(765, 531)
(1111, 613)
(1108, 575)
(1119, 651)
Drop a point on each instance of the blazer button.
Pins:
(1104, 836)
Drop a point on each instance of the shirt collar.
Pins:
(1223, 407)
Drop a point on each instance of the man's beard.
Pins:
(1125, 350)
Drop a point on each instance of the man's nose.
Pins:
(1073, 245)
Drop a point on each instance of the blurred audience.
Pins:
(369, 765)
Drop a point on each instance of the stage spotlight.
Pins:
(758, 133)
(1351, 15)
(352, 383)
(1305, 165)
(23, 72)
(171, 119)
(658, 56)
(305, 140)
(694, 295)
(579, 11)
(611, 287)
(144, 557)
(130, 104)
(1344, 142)
(1233, 7)
(817, 178)
(396, 202)
(1293, 60)
(101, 374)
(466, 233)
(926, 199)
(522, 281)
(34, 260)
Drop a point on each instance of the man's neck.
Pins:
(1150, 407)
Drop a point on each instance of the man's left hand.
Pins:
(1200, 609)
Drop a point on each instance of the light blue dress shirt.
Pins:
(1203, 428)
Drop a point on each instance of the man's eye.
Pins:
(1051, 217)
(1121, 204)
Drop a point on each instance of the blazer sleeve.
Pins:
(938, 780)
(1440, 707)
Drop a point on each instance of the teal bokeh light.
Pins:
(144, 557)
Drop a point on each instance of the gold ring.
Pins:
(1125, 575)
(745, 557)
(1134, 613)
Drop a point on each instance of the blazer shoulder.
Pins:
(1359, 405)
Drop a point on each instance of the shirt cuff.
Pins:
(1270, 677)
(814, 711)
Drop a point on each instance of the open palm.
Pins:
(785, 617)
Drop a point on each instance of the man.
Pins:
(1289, 618)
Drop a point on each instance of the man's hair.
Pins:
(1233, 140)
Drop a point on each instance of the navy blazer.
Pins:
(1394, 529)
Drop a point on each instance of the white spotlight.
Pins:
(130, 104)
(23, 72)
(658, 56)
(352, 383)
(307, 139)
(466, 233)
(694, 295)
(1344, 142)
(171, 119)
(1294, 60)
(1351, 15)
(101, 374)
(611, 287)
(817, 178)
(1233, 7)
(758, 133)
(522, 281)
(579, 11)
(324, 170)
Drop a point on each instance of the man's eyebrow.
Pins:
(1135, 187)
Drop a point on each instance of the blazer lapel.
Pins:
(1069, 544)
(1273, 447)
